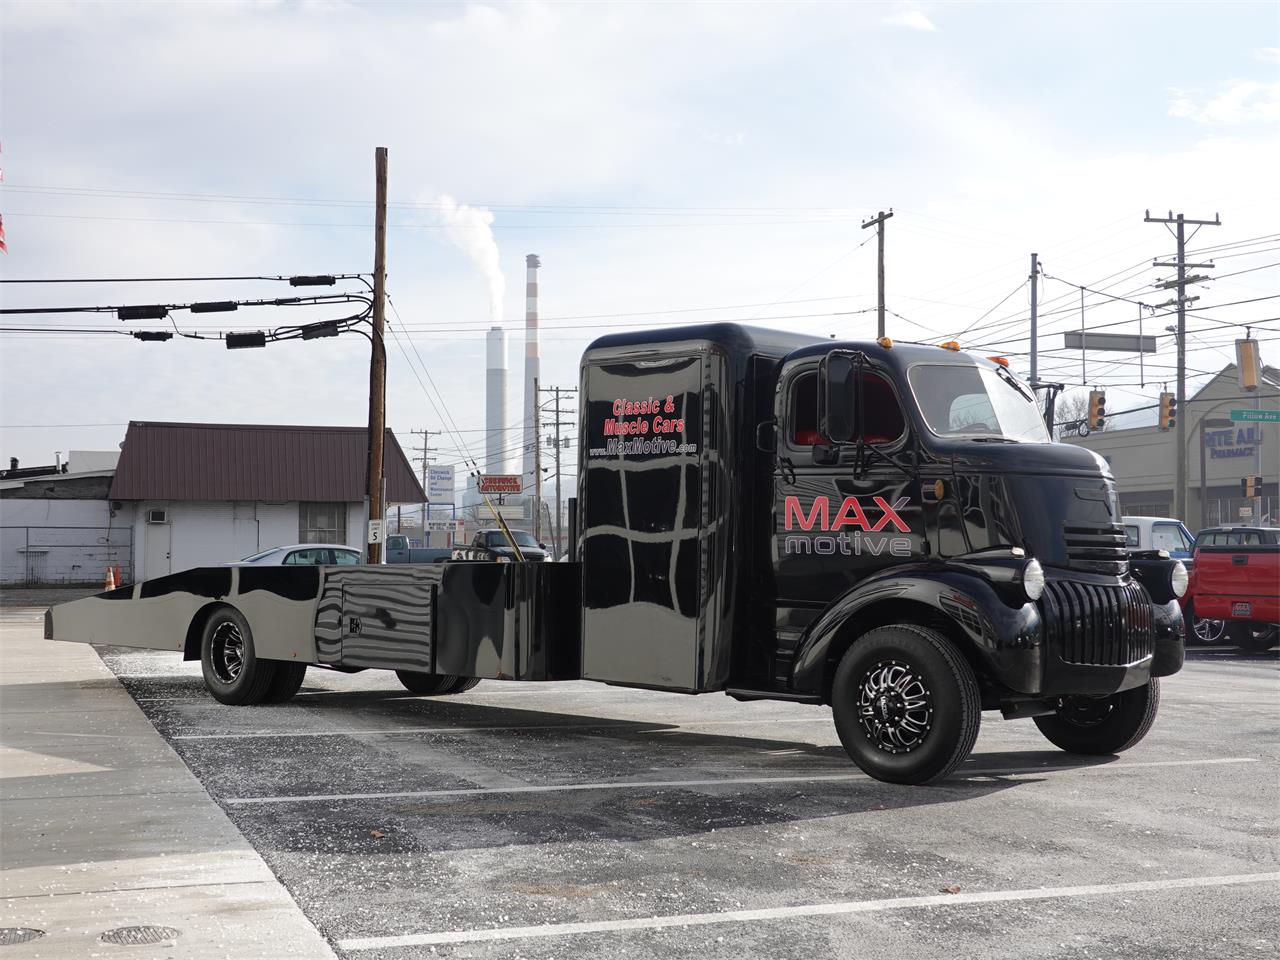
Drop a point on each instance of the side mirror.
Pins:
(836, 415)
(767, 436)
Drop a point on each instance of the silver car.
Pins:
(303, 554)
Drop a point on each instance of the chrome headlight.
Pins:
(1033, 579)
(1178, 580)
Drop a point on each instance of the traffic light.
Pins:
(1249, 487)
(1097, 409)
(1168, 411)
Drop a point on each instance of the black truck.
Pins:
(885, 528)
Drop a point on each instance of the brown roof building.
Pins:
(224, 461)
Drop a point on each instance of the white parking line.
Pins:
(392, 731)
(720, 781)
(791, 913)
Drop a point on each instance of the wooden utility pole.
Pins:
(878, 222)
(425, 450)
(537, 467)
(378, 352)
(558, 423)
(1180, 479)
(1035, 344)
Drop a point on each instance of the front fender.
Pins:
(1004, 642)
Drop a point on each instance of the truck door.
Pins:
(647, 501)
(838, 517)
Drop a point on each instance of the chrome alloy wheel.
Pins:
(895, 707)
(1209, 631)
(227, 652)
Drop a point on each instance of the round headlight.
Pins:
(1178, 579)
(1033, 579)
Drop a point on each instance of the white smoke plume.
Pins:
(469, 229)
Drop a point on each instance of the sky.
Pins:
(669, 163)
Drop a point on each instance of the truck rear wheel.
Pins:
(1254, 637)
(233, 674)
(906, 704)
(430, 684)
(287, 682)
(1097, 726)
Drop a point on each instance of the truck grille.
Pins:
(1097, 548)
(1097, 624)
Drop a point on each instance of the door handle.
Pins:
(1240, 560)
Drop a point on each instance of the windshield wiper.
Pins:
(1009, 378)
(991, 439)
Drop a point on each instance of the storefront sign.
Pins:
(1233, 441)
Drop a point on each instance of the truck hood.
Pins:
(1027, 458)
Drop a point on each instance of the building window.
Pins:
(322, 523)
(1145, 509)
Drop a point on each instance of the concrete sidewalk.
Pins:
(102, 826)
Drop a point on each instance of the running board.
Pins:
(740, 694)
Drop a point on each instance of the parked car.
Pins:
(493, 545)
(303, 554)
(1159, 533)
(1172, 536)
(399, 551)
(1235, 578)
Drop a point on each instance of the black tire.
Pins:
(287, 682)
(427, 684)
(233, 674)
(917, 738)
(1254, 637)
(1101, 726)
(464, 684)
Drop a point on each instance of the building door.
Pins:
(159, 541)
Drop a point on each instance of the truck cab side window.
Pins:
(882, 419)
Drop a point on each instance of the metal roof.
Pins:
(234, 461)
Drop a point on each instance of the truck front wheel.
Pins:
(1097, 726)
(906, 704)
(232, 672)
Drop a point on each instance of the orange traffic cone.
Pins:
(111, 580)
(119, 579)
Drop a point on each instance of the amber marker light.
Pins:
(886, 342)
(951, 345)
(1003, 361)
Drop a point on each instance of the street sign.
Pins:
(1124, 342)
(1246, 511)
(440, 484)
(375, 531)
(501, 483)
(1255, 416)
(441, 526)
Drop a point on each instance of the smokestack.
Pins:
(531, 369)
(495, 400)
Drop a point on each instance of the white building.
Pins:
(190, 494)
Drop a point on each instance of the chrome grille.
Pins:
(1096, 624)
(1097, 548)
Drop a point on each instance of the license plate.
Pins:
(1242, 608)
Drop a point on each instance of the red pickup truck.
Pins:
(1235, 578)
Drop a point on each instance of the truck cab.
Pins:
(857, 524)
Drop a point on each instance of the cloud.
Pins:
(912, 20)
(1243, 101)
(1267, 54)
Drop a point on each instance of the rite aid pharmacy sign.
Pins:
(1238, 441)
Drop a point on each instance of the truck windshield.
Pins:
(523, 539)
(976, 402)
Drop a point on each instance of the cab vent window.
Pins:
(882, 419)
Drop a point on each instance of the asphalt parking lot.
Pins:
(578, 820)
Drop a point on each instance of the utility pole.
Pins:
(1035, 356)
(1180, 476)
(558, 423)
(378, 351)
(423, 453)
(878, 222)
(537, 469)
